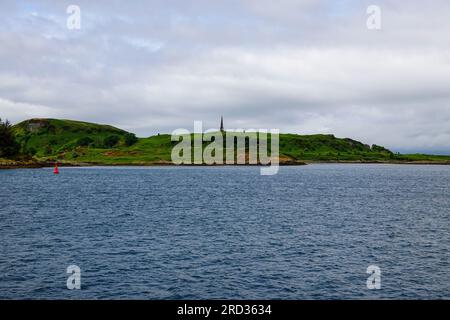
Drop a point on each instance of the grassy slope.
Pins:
(329, 148)
(57, 139)
(51, 136)
(422, 157)
(146, 150)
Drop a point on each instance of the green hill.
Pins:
(81, 142)
(51, 137)
(322, 147)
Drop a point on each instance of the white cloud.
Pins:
(16, 111)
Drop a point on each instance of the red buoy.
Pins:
(56, 171)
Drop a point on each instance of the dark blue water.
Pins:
(309, 232)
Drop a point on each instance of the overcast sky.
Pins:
(299, 66)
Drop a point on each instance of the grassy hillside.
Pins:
(292, 147)
(329, 148)
(50, 137)
(81, 142)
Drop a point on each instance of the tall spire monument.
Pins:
(221, 124)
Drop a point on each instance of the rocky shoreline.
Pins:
(14, 164)
(32, 164)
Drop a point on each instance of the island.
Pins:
(44, 142)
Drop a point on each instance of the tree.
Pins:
(9, 147)
(130, 139)
(111, 141)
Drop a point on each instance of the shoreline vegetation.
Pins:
(44, 142)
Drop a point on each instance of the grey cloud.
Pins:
(300, 66)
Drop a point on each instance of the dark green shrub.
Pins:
(111, 141)
(84, 142)
(31, 151)
(130, 139)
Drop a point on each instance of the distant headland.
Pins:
(43, 142)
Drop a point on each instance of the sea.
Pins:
(321, 231)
